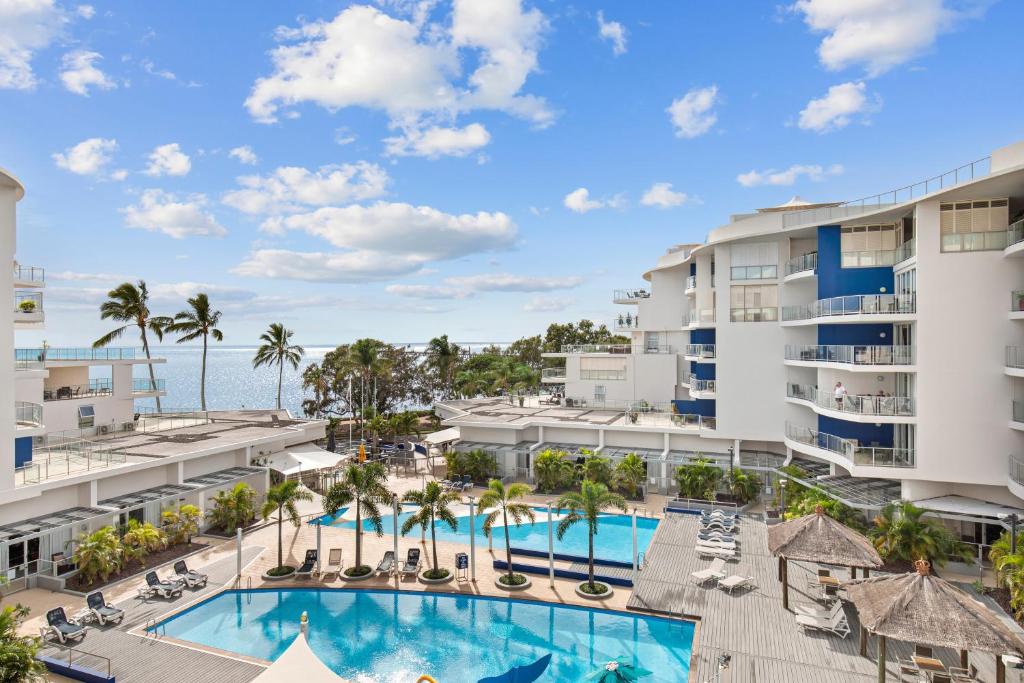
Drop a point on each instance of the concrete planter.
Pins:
(434, 582)
(283, 577)
(356, 579)
(506, 587)
(607, 594)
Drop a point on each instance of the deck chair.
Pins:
(307, 565)
(814, 610)
(412, 562)
(62, 629)
(104, 612)
(190, 578)
(165, 589)
(387, 563)
(717, 543)
(731, 583)
(714, 572)
(836, 624)
(333, 562)
(708, 551)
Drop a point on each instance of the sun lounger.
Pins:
(333, 562)
(715, 524)
(811, 610)
(307, 565)
(836, 624)
(731, 583)
(715, 571)
(165, 589)
(715, 536)
(412, 562)
(713, 543)
(62, 629)
(104, 612)
(192, 579)
(708, 551)
(387, 563)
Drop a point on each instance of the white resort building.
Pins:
(878, 344)
(78, 455)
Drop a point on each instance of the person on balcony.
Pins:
(839, 393)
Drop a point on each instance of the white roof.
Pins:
(298, 662)
(961, 505)
(443, 436)
(302, 458)
(797, 200)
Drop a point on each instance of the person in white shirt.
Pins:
(839, 394)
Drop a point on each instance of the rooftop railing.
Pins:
(1014, 357)
(700, 350)
(866, 456)
(616, 348)
(867, 304)
(28, 414)
(883, 406)
(552, 373)
(691, 282)
(52, 353)
(28, 364)
(141, 385)
(851, 354)
(66, 459)
(825, 214)
(95, 387)
(802, 263)
(29, 274)
(630, 294)
(677, 420)
(702, 385)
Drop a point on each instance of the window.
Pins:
(866, 246)
(754, 261)
(602, 368)
(978, 225)
(753, 303)
(86, 416)
(755, 272)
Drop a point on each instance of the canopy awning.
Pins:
(962, 507)
(305, 457)
(442, 437)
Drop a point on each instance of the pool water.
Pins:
(613, 541)
(378, 636)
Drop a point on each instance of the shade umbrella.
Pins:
(619, 670)
(820, 539)
(362, 452)
(526, 673)
(919, 607)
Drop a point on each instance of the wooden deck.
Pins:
(763, 639)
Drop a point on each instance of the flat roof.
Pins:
(499, 410)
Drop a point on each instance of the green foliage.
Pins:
(744, 486)
(527, 351)
(630, 473)
(99, 554)
(27, 306)
(434, 504)
(554, 470)
(276, 349)
(233, 509)
(365, 485)
(478, 464)
(583, 332)
(505, 501)
(441, 363)
(181, 524)
(586, 506)
(139, 540)
(282, 499)
(1010, 569)
(494, 374)
(18, 663)
(901, 532)
(809, 500)
(198, 320)
(699, 479)
(598, 469)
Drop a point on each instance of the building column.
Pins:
(736, 453)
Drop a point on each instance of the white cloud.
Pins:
(26, 26)
(344, 136)
(244, 154)
(789, 176)
(79, 72)
(293, 188)
(88, 157)
(427, 291)
(579, 200)
(612, 31)
(352, 267)
(876, 34)
(74, 276)
(542, 304)
(119, 175)
(159, 211)
(505, 282)
(693, 113)
(663, 196)
(837, 107)
(438, 141)
(85, 11)
(168, 160)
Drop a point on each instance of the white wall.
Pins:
(7, 250)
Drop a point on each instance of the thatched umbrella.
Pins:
(819, 538)
(922, 608)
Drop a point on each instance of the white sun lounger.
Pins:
(333, 562)
(836, 624)
(709, 551)
(715, 571)
(716, 543)
(733, 582)
(819, 612)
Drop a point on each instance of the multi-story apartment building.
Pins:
(876, 343)
(78, 456)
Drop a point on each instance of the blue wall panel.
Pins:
(22, 451)
(704, 370)
(868, 335)
(703, 406)
(834, 280)
(702, 336)
(865, 434)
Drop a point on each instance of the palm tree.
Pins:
(630, 473)
(743, 486)
(18, 652)
(366, 486)
(1009, 568)
(198, 321)
(141, 539)
(282, 499)
(501, 500)
(233, 509)
(366, 359)
(405, 423)
(442, 358)
(596, 468)
(901, 533)
(277, 349)
(433, 505)
(586, 505)
(378, 427)
(553, 469)
(699, 479)
(129, 304)
(98, 554)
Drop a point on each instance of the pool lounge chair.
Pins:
(708, 551)
(307, 565)
(192, 579)
(412, 562)
(714, 572)
(721, 526)
(731, 583)
(104, 612)
(713, 543)
(62, 629)
(836, 624)
(387, 563)
(814, 610)
(165, 589)
(715, 536)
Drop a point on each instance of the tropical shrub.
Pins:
(181, 524)
(744, 486)
(901, 532)
(139, 540)
(807, 501)
(554, 470)
(18, 661)
(630, 473)
(99, 554)
(1009, 568)
(233, 509)
(478, 464)
(598, 469)
(699, 479)
(27, 306)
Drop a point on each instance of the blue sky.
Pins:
(404, 169)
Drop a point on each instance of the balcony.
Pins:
(801, 266)
(695, 319)
(691, 284)
(603, 375)
(95, 387)
(1015, 361)
(630, 296)
(863, 358)
(754, 315)
(28, 415)
(27, 365)
(28, 307)
(1017, 415)
(627, 322)
(1015, 238)
(701, 353)
(868, 259)
(67, 459)
(55, 354)
(1017, 305)
(1016, 476)
(853, 309)
(615, 349)
(555, 375)
(702, 388)
(852, 407)
(29, 276)
(850, 453)
(685, 379)
(144, 385)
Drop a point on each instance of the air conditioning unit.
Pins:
(103, 429)
(127, 426)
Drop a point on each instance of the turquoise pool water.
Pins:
(378, 636)
(614, 539)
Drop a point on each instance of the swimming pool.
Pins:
(614, 539)
(381, 635)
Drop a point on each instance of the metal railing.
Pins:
(865, 304)
(552, 373)
(1014, 357)
(91, 660)
(95, 387)
(677, 420)
(141, 385)
(867, 456)
(820, 215)
(685, 379)
(802, 263)
(28, 414)
(613, 375)
(60, 460)
(53, 353)
(691, 282)
(868, 259)
(887, 406)
(906, 250)
(1017, 301)
(28, 303)
(851, 354)
(754, 315)
(627, 322)
(29, 274)
(704, 315)
(28, 365)
(630, 294)
(702, 386)
(616, 348)
(700, 350)
(754, 272)
(1015, 233)
(1017, 469)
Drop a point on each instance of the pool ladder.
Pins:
(152, 624)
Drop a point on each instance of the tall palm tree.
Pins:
(366, 486)
(366, 359)
(129, 304)
(586, 505)
(502, 501)
(433, 505)
(282, 499)
(277, 349)
(442, 358)
(199, 320)
(630, 473)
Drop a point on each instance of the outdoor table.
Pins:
(929, 665)
(828, 581)
(83, 617)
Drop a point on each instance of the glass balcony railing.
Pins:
(700, 350)
(29, 274)
(702, 386)
(852, 354)
(142, 385)
(753, 315)
(1018, 411)
(95, 387)
(975, 241)
(882, 406)
(1014, 357)
(691, 282)
(552, 373)
(630, 295)
(868, 304)
(703, 316)
(1017, 469)
(1017, 301)
(850, 449)
(27, 415)
(906, 250)
(868, 259)
(52, 353)
(1015, 233)
(627, 322)
(27, 303)
(685, 379)
(612, 375)
(21, 365)
(802, 263)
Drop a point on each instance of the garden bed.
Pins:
(217, 532)
(134, 567)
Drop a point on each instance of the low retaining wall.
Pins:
(562, 573)
(75, 671)
(572, 558)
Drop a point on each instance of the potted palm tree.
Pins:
(433, 505)
(505, 502)
(586, 506)
(365, 485)
(282, 499)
